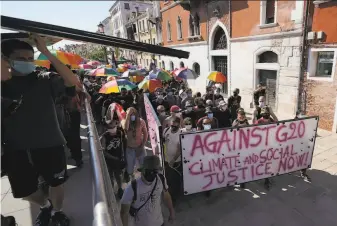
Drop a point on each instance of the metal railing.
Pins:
(105, 207)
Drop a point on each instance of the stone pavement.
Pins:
(290, 202)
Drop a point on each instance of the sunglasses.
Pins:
(188, 124)
(151, 171)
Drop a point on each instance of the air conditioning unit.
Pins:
(311, 35)
(320, 35)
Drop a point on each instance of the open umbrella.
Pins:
(104, 72)
(150, 84)
(115, 86)
(137, 78)
(160, 74)
(110, 78)
(184, 73)
(67, 58)
(129, 73)
(114, 108)
(85, 66)
(94, 63)
(217, 76)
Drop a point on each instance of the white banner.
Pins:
(219, 158)
(154, 128)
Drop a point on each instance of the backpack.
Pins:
(134, 186)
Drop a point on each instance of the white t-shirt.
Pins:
(150, 214)
(171, 143)
(183, 130)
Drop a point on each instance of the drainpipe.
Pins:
(304, 52)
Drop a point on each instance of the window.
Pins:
(194, 25)
(322, 63)
(268, 57)
(149, 41)
(143, 23)
(163, 65)
(220, 39)
(126, 6)
(154, 41)
(181, 64)
(171, 66)
(179, 27)
(169, 34)
(196, 68)
(139, 26)
(267, 12)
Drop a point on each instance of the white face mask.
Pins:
(188, 127)
(189, 109)
(223, 108)
(262, 104)
(207, 127)
(162, 113)
(160, 97)
(113, 130)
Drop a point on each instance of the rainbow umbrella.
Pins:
(217, 77)
(110, 78)
(184, 73)
(67, 58)
(136, 79)
(160, 75)
(129, 73)
(115, 86)
(150, 84)
(104, 72)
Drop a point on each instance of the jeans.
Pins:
(133, 154)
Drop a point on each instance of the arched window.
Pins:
(196, 68)
(169, 31)
(196, 24)
(181, 64)
(163, 64)
(180, 29)
(220, 39)
(268, 57)
(191, 25)
(171, 66)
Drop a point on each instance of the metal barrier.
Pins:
(105, 209)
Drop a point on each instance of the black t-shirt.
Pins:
(115, 145)
(156, 103)
(35, 124)
(224, 118)
(234, 103)
(125, 101)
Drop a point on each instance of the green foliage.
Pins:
(96, 54)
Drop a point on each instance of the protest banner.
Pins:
(219, 158)
(155, 129)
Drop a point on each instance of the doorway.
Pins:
(268, 79)
(220, 64)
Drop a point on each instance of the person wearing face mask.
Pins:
(190, 113)
(137, 135)
(141, 200)
(223, 115)
(161, 114)
(260, 91)
(171, 98)
(113, 141)
(213, 121)
(175, 112)
(188, 98)
(188, 126)
(234, 102)
(159, 100)
(30, 129)
(257, 112)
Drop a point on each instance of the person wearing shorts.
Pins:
(32, 141)
(136, 134)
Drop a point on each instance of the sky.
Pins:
(83, 15)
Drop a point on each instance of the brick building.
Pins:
(320, 81)
(184, 27)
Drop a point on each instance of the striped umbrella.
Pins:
(184, 73)
(160, 75)
(136, 79)
(150, 84)
(67, 58)
(217, 76)
(104, 72)
(115, 86)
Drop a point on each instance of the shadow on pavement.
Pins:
(291, 201)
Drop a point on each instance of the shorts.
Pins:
(24, 167)
(131, 155)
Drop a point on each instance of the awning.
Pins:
(85, 36)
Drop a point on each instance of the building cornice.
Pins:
(268, 36)
(170, 6)
(187, 44)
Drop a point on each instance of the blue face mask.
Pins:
(23, 67)
(210, 115)
(133, 118)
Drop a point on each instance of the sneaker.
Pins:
(305, 177)
(60, 219)
(120, 193)
(44, 216)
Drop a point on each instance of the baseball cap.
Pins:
(174, 108)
